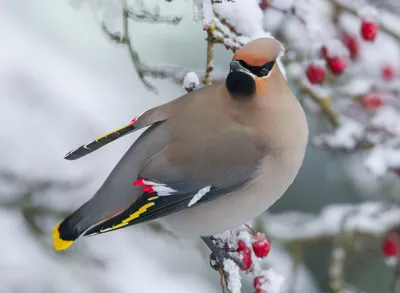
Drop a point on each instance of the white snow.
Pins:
(345, 136)
(208, 13)
(387, 118)
(234, 279)
(335, 48)
(245, 15)
(226, 237)
(199, 195)
(191, 81)
(272, 282)
(373, 218)
(368, 13)
(246, 236)
(381, 159)
(282, 4)
(391, 261)
(317, 62)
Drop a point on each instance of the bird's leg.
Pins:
(218, 254)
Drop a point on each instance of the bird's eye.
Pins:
(260, 71)
(264, 71)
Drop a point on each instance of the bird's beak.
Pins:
(235, 66)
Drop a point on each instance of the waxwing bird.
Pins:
(209, 161)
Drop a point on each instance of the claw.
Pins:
(219, 254)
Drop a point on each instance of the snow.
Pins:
(368, 13)
(316, 62)
(391, 261)
(335, 48)
(226, 237)
(191, 81)
(387, 118)
(245, 236)
(382, 159)
(272, 281)
(208, 13)
(373, 218)
(237, 13)
(234, 279)
(345, 136)
(282, 4)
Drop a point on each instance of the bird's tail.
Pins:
(68, 230)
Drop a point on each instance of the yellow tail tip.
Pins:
(60, 244)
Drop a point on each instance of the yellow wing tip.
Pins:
(60, 244)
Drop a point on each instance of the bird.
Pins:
(208, 161)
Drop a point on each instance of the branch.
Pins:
(323, 102)
(146, 16)
(210, 55)
(132, 53)
(340, 6)
(305, 229)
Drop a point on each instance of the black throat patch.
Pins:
(240, 85)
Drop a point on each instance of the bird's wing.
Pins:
(149, 117)
(175, 180)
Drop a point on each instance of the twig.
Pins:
(323, 102)
(296, 253)
(221, 279)
(210, 55)
(132, 53)
(336, 274)
(386, 29)
(175, 73)
(146, 16)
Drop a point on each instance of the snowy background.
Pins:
(62, 82)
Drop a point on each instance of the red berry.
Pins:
(369, 30)
(336, 64)
(263, 4)
(388, 72)
(245, 256)
(315, 73)
(352, 45)
(261, 245)
(258, 281)
(372, 100)
(390, 246)
(241, 245)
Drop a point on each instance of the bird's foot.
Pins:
(219, 254)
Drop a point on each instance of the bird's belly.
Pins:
(234, 209)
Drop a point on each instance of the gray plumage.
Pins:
(246, 149)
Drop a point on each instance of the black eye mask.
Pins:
(259, 71)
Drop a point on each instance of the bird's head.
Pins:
(252, 66)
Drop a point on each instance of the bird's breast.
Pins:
(234, 209)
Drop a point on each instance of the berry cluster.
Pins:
(260, 245)
(252, 245)
(338, 63)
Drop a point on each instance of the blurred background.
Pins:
(63, 82)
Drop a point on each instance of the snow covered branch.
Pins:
(350, 7)
(346, 228)
(25, 196)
